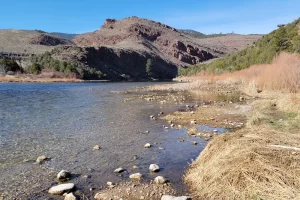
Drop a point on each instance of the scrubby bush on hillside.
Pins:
(10, 65)
(285, 38)
(46, 61)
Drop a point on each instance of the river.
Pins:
(65, 120)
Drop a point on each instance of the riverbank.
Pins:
(259, 160)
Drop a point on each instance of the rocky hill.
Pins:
(29, 41)
(120, 49)
(170, 44)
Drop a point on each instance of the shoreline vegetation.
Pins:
(260, 160)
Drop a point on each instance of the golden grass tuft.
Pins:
(244, 165)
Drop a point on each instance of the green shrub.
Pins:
(34, 69)
(10, 65)
(69, 67)
(149, 66)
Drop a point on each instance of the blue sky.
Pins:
(209, 16)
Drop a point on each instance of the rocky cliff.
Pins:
(162, 40)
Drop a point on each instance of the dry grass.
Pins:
(244, 165)
(260, 161)
(283, 74)
(7, 79)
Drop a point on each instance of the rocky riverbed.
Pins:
(91, 153)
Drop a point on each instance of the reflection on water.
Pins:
(64, 121)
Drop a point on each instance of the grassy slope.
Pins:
(285, 38)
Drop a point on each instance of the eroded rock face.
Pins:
(118, 64)
(140, 34)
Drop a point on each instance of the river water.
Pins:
(65, 120)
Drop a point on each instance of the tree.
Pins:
(149, 66)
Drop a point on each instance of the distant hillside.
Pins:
(67, 36)
(285, 38)
(29, 41)
(199, 35)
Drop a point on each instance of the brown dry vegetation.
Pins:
(7, 79)
(261, 160)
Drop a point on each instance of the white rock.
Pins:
(63, 175)
(119, 170)
(160, 180)
(148, 145)
(110, 184)
(96, 147)
(41, 159)
(154, 168)
(62, 188)
(136, 176)
(168, 197)
(70, 196)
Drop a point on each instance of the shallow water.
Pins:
(65, 120)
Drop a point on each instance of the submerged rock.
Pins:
(62, 188)
(136, 176)
(119, 170)
(63, 175)
(168, 197)
(160, 180)
(154, 168)
(41, 159)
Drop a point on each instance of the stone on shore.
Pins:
(154, 168)
(160, 180)
(119, 170)
(148, 145)
(110, 184)
(41, 159)
(168, 197)
(136, 176)
(96, 147)
(62, 188)
(70, 196)
(63, 175)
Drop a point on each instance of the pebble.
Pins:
(160, 180)
(119, 170)
(62, 188)
(70, 196)
(194, 143)
(148, 145)
(41, 159)
(136, 176)
(96, 147)
(63, 175)
(154, 168)
(168, 197)
(110, 184)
